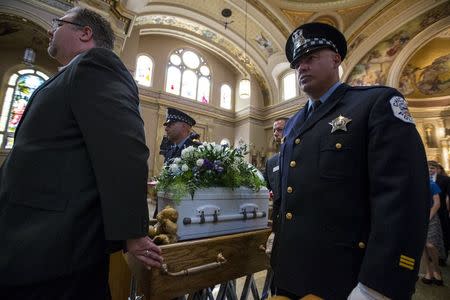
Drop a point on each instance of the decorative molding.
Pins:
(267, 13)
(62, 5)
(155, 99)
(322, 5)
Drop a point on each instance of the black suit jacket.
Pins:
(76, 177)
(355, 205)
(272, 177)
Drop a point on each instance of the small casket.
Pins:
(218, 211)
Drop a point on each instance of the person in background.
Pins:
(271, 171)
(437, 174)
(73, 190)
(354, 183)
(434, 241)
(178, 128)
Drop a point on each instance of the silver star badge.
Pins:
(340, 123)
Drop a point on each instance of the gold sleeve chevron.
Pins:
(407, 262)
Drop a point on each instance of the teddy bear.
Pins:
(165, 230)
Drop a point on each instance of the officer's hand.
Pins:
(269, 244)
(145, 251)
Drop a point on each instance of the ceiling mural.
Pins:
(427, 73)
(390, 12)
(374, 67)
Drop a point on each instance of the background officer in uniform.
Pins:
(272, 170)
(355, 187)
(178, 128)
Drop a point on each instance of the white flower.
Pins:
(217, 148)
(205, 144)
(201, 147)
(184, 167)
(186, 152)
(174, 169)
(199, 162)
(177, 160)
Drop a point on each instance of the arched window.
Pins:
(225, 96)
(289, 85)
(20, 87)
(188, 75)
(144, 70)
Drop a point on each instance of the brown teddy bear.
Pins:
(165, 230)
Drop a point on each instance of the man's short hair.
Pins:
(281, 119)
(102, 32)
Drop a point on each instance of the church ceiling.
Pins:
(20, 33)
(252, 39)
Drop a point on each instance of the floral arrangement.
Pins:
(209, 165)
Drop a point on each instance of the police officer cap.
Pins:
(175, 115)
(313, 36)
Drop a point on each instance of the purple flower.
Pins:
(207, 164)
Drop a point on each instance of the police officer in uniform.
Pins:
(178, 128)
(355, 192)
(271, 171)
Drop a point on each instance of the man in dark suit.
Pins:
(271, 172)
(354, 187)
(73, 188)
(178, 128)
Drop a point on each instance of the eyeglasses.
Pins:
(56, 23)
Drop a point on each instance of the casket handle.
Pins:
(220, 260)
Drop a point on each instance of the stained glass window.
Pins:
(225, 96)
(21, 86)
(290, 89)
(144, 70)
(188, 75)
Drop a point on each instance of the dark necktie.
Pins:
(314, 107)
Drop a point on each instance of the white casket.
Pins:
(218, 211)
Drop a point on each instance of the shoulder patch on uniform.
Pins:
(400, 109)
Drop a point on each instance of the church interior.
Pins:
(223, 62)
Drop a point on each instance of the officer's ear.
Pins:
(336, 60)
